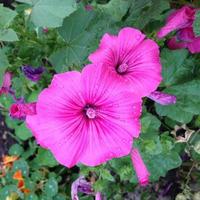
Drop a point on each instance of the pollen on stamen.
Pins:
(122, 68)
(90, 113)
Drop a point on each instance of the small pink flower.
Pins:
(88, 7)
(140, 168)
(81, 185)
(6, 85)
(181, 20)
(162, 98)
(132, 59)
(98, 196)
(178, 19)
(86, 117)
(21, 110)
(45, 30)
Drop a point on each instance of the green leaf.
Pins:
(31, 197)
(3, 64)
(6, 16)
(8, 190)
(8, 35)
(77, 40)
(159, 165)
(150, 125)
(16, 149)
(21, 165)
(196, 24)
(45, 158)
(173, 65)
(51, 187)
(153, 147)
(115, 9)
(22, 132)
(59, 197)
(33, 96)
(159, 155)
(50, 13)
(124, 168)
(149, 10)
(105, 174)
(187, 105)
(31, 2)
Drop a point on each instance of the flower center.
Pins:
(90, 112)
(122, 68)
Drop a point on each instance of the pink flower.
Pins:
(6, 85)
(133, 60)
(98, 196)
(162, 98)
(86, 117)
(181, 20)
(88, 7)
(21, 110)
(140, 168)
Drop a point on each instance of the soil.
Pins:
(5, 139)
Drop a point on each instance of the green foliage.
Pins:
(51, 188)
(50, 13)
(22, 132)
(45, 158)
(187, 105)
(8, 35)
(3, 64)
(173, 65)
(16, 150)
(196, 24)
(72, 34)
(76, 41)
(115, 9)
(7, 16)
(181, 78)
(149, 10)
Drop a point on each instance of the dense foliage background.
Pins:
(60, 34)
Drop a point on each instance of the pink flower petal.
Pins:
(144, 68)
(98, 196)
(185, 34)
(6, 83)
(179, 19)
(21, 110)
(140, 168)
(128, 40)
(194, 46)
(174, 44)
(59, 124)
(105, 53)
(162, 98)
(117, 117)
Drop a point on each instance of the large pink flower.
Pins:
(133, 60)
(86, 117)
(181, 20)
